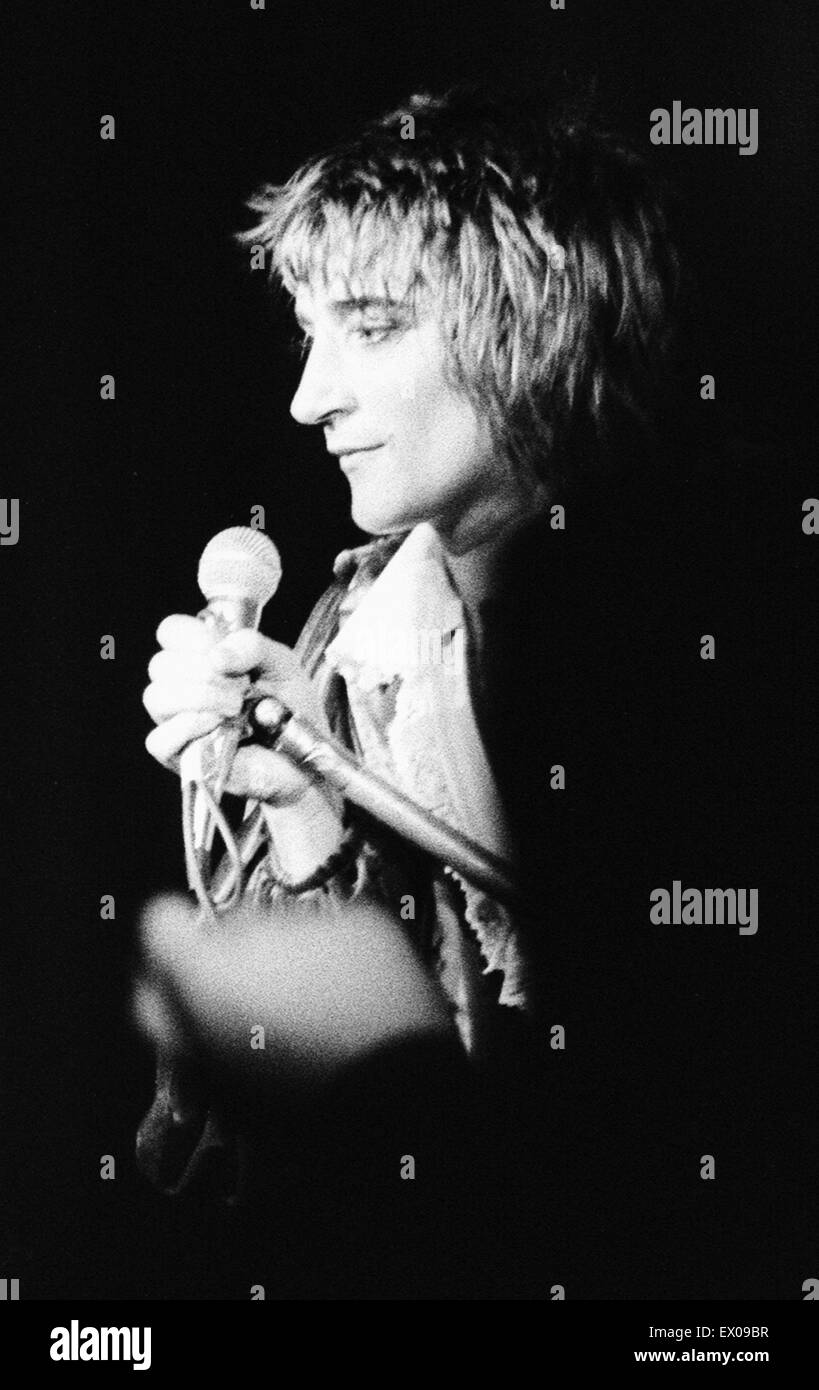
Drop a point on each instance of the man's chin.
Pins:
(376, 521)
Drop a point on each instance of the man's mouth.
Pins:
(348, 458)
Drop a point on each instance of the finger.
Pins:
(172, 665)
(185, 633)
(163, 701)
(167, 740)
(248, 650)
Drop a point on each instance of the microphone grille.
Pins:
(240, 563)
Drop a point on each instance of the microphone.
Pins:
(239, 571)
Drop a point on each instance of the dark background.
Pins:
(124, 263)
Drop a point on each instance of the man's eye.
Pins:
(374, 332)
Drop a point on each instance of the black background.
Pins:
(124, 263)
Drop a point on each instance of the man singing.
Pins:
(485, 305)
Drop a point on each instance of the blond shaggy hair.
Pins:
(543, 250)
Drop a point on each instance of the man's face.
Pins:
(411, 446)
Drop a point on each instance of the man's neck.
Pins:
(471, 564)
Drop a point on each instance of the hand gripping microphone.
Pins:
(238, 573)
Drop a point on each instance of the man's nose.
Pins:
(323, 390)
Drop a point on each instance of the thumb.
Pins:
(248, 650)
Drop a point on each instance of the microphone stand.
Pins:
(325, 759)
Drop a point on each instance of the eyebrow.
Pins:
(345, 307)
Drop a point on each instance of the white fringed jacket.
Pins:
(390, 645)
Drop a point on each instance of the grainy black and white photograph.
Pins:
(409, 553)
